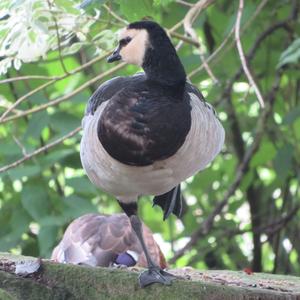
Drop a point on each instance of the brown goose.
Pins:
(103, 240)
(145, 134)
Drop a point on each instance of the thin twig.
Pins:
(242, 55)
(241, 171)
(212, 56)
(38, 77)
(43, 86)
(65, 97)
(184, 38)
(222, 45)
(269, 229)
(184, 3)
(171, 32)
(111, 12)
(39, 150)
(6, 105)
(58, 38)
(21, 146)
(188, 28)
(21, 99)
(175, 27)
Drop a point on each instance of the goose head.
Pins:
(147, 45)
(133, 44)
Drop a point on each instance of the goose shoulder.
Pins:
(143, 123)
(108, 89)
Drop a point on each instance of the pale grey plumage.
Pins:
(203, 143)
(96, 240)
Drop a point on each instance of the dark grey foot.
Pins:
(155, 275)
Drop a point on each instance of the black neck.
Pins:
(161, 63)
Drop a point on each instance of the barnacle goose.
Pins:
(105, 240)
(145, 134)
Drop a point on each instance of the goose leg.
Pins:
(154, 274)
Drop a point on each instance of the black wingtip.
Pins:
(170, 202)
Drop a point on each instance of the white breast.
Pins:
(203, 142)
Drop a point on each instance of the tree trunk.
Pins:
(62, 281)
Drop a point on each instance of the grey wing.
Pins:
(192, 89)
(106, 90)
(77, 243)
(95, 240)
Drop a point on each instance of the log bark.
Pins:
(63, 281)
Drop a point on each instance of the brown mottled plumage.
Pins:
(96, 240)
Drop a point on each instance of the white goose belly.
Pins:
(203, 142)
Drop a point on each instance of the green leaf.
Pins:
(20, 221)
(135, 10)
(292, 116)
(162, 2)
(47, 238)
(291, 55)
(34, 199)
(266, 153)
(72, 49)
(18, 224)
(53, 220)
(55, 157)
(77, 206)
(81, 185)
(24, 171)
(105, 39)
(36, 124)
(86, 3)
(283, 161)
(67, 5)
(64, 122)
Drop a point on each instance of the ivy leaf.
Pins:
(291, 55)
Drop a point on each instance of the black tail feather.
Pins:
(170, 202)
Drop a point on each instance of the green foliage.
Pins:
(291, 55)
(40, 197)
(33, 27)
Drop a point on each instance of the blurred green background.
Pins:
(55, 51)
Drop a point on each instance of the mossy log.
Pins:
(63, 281)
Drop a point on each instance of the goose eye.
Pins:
(125, 41)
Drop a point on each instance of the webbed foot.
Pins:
(155, 275)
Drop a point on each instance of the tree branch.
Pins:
(64, 98)
(241, 170)
(43, 86)
(188, 28)
(222, 45)
(242, 55)
(39, 150)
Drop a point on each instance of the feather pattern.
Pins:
(96, 240)
(203, 142)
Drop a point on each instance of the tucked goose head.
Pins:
(102, 240)
(146, 44)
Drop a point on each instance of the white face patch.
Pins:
(134, 51)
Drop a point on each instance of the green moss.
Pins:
(58, 281)
(5, 295)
